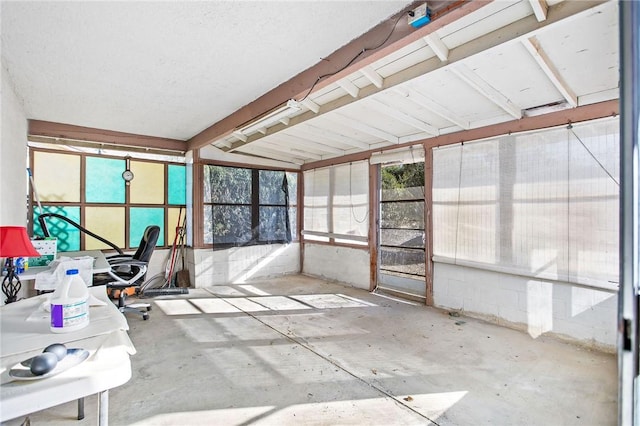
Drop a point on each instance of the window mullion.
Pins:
(255, 205)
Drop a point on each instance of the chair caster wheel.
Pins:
(148, 308)
(145, 316)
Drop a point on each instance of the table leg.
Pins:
(103, 408)
(80, 408)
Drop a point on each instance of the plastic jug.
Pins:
(70, 304)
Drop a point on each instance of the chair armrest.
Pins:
(127, 262)
(119, 256)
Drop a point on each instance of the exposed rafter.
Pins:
(349, 87)
(539, 9)
(320, 138)
(312, 146)
(365, 128)
(401, 116)
(288, 150)
(437, 45)
(298, 87)
(533, 47)
(558, 118)
(472, 79)
(311, 105)
(337, 136)
(240, 136)
(271, 154)
(223, 143)
(373, 76)
(423, 101)
(511, 33)
(426, 92)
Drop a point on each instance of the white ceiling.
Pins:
(497, 64)
(167, 68)
(173, 69)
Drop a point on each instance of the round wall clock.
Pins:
(127, 175)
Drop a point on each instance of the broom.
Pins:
(182, 276)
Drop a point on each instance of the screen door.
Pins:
(401, 230)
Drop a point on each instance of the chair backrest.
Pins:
(147, 243)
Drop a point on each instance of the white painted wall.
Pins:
(580, 314)
(336, 263)
(574, 313)
(13, 156)
(240, 264)
(13, 161)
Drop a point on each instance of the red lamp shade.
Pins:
(14, 242)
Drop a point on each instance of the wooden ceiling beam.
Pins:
(511, 33)
(333, 65)
(112, 138)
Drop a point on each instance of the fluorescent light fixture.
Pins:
(281, 114)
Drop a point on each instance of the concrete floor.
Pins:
(298, 350)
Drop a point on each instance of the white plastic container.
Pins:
(70, 304)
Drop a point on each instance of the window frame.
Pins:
(255, 205)
(82, 204)
(330, 236)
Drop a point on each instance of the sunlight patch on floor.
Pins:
(279, 303)
(224, 290)
(382, 410)
(328, 301)
(253, 290)
(231, 305)
(177, 307)
(214, 306)
(228, 416)
(433, 405)
(245, 304)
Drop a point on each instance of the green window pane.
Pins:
(68, 236)
(104, 183)
(177, 184)
(140, 218)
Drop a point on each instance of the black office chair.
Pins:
(129, 271)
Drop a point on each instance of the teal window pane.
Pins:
(68, 236)
(177, 184)
(140, 218)
(104, 183)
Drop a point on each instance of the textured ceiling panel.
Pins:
(163, 68)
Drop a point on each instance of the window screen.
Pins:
(336, 203)
(248, 206)
(543, 204)
(402, 231)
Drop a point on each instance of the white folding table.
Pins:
(24, 333)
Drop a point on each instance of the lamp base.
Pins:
(11, 283)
